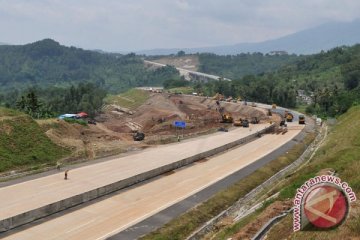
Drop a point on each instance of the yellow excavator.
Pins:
(227, 118)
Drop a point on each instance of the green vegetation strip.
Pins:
(184, 225)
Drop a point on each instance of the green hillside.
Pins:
(47, 63)
(238, 66)
(23, 143)
(341, 152)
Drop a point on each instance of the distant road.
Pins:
(188, 73)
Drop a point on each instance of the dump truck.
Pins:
(245, 123)
(301, 119)
(288, 116)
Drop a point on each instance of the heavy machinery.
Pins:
(245, 123)
(288, 116)
(138, 136)
(237, 123)
(241, 123)
(273, 106)
(227, 118)
(301, 119)
(255, 120)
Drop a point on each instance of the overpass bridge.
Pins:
(188, 74)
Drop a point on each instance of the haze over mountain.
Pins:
(313, 40)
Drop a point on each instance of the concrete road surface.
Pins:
(110, 216)
(23, 197)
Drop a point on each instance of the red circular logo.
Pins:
(326, 206)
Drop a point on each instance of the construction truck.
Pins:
(237, 123)
(241, 123)
(301, 119)
(288, 116)
(227, 118)
(245, 123)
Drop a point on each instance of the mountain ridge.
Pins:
(309, 41)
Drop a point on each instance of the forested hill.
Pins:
(47, 63)
(237, 66)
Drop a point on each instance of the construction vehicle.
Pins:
(301, 119)
(241, 123)
(227, 118)
(273, 106)
(138, 136)
(283, 123)
(255, 120)
(237, 123)
(245, 123)
(288, 116)
(253, 104)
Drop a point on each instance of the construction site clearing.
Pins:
(117, 126)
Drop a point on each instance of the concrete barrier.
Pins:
(27, 217)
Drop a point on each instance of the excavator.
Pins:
(227, 118)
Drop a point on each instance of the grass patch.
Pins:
(340, 152)
(235, 228)
(130, 99)
(184, 225)
(78, 121)
(183, 90)
(24, 144)
(301, 108)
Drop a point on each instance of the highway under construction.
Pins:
(105, 199)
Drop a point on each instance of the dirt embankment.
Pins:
(115, 127)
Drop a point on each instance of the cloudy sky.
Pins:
(116, 25)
